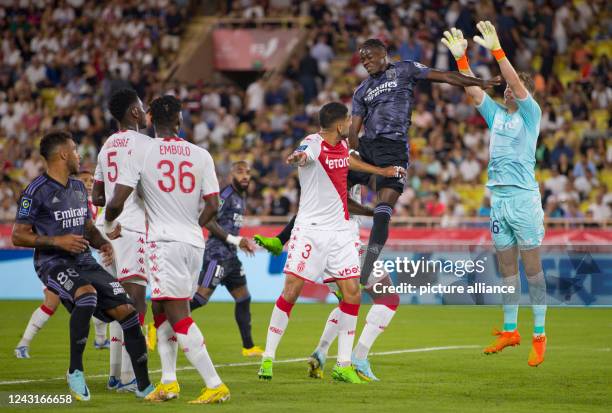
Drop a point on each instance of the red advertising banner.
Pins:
(252, 49)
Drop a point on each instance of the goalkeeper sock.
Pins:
(511, 301)
(278, 324)
(329, 332)
(537, 295)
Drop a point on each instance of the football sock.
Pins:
(100, 328)
(136, 347)
(192, 342)
(167, 346)
(127, 370)
(116, 348)
(278, 324)
(197, 301)
(37, 321)
(377, 319)
(378, 238)
(84, 307)
(285, 234)
(511, 301)
(347, 323)
(537, 295)
(329, 332)
(242, 313)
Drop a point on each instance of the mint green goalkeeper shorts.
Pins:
(517, 218)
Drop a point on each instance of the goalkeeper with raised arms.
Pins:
(517, 219)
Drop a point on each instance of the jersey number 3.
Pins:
(185, 179)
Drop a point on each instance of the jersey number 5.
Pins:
(185, 179)
(112, 166)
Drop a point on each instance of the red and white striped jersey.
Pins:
(174, 176)
(111, 164)
(323, 179)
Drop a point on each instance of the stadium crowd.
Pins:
(61, 63)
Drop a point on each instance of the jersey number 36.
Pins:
(186, 180)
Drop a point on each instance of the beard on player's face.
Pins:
(241, 182)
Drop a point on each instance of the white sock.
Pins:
(191, 340)
(127, 371)
(100, 327)
(37, 321)
(329, 332)
(116, 343)
(347, 323)
(167, 347)
(278, 323)
(377, 320)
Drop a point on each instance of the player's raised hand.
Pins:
(297, 158)
(455, 42)
(489, 37)
(393, 172)
(248, 246)
(72, 243)
(107, 253)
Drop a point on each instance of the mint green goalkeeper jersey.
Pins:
(513, 145)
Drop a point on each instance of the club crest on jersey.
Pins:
(391, 74)
(301, 148)
(24, 206)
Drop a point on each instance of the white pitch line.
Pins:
(257, 363)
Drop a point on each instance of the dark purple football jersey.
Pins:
(230, 217)
(385, 101)
(54, 209)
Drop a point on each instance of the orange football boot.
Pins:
(503, 340)
(538, 348)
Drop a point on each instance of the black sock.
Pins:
(136, 347)
(197, 301)
(378, 238)
(84, 307)
(285, 234)
(242, 312)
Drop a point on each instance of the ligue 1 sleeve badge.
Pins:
(24, 206)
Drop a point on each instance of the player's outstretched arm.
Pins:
(100, 243)
(98, 197)
(356, 208)
(457, 44)
(115, 205)
(490, 41)
(457, 79)
(210, 210)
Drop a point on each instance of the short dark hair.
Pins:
(51, 141)
(373, 44)
(331, 113)
(121, 101)
(528, 82)
(165, 109)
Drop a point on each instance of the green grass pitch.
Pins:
(576, 376)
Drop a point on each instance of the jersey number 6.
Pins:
(186, 179)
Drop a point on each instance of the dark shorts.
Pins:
(64, 279)
(225, 272)
(381, 152)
